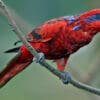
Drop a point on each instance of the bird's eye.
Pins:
(93, 17)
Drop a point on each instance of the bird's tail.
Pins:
(12, 68)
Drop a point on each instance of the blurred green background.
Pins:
(35, 82)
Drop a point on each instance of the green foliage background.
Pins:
(35, 82)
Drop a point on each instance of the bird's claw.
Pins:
(40, 58)
(67, 77)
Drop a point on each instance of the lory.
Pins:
(57, 39)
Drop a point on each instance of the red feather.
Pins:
(15, 65)
(57, 39)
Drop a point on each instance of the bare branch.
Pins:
(91, 73)
(85, 87)
(43, 63)
(94, 69)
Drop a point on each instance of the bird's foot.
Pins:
(40, 58)
(67, 77)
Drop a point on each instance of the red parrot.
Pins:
(57, 38)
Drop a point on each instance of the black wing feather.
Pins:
(13, 50)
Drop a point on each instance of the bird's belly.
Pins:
(56, 51)
(59, 50)
(56, 55)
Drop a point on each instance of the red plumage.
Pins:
(57, 39)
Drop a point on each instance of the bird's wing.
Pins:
(47, 31)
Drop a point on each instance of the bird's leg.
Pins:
(67, 77)
(40, 58)
(61, 63)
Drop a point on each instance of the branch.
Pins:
(62, 76)
(92, 72)
(85, 87)
(94, 69)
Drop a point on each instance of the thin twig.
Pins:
(85, 87)
(94, 69)
(33, 52)
(92, 72)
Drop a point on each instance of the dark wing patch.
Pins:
(36, 35)
(19, 41)
(92, 18)
(13, 50)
